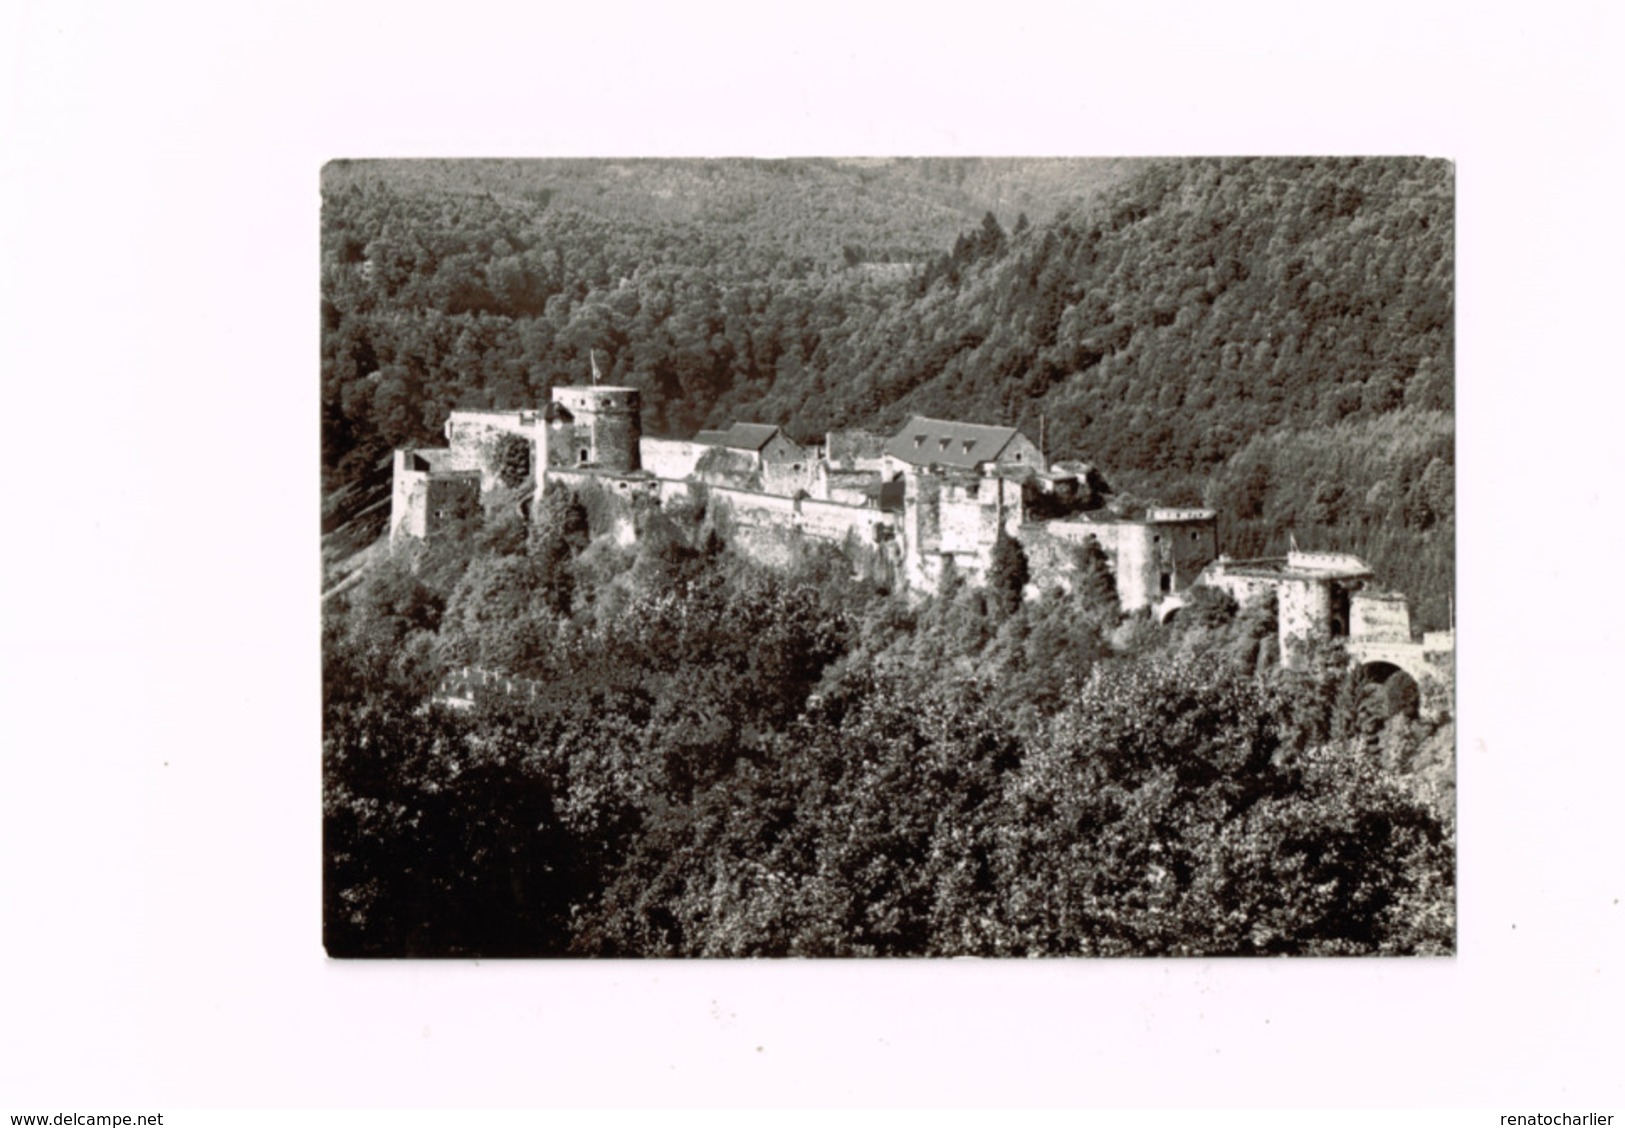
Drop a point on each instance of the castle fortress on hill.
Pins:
(932, 498)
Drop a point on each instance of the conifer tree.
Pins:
(1007, 572)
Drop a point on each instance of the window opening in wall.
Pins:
(1167, 583)
(1018, 456)
(583, 457)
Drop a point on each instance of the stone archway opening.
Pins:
(1390, 690)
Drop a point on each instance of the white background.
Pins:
(159, 818)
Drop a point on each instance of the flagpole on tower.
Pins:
(593, 354)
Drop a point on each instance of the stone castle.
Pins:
(931, 500)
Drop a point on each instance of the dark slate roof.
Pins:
(924, 442)
(741, 436)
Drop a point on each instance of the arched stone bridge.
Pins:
(1431, 664)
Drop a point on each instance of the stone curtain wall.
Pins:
(966, 526)
(826, 520)
(449, 499)
(1142, 552)
(1379, 617)
(607, 424)
(610, 499)
(1193, 544)
(476, 440)
(1128, 547)
(670, 458)
(787, 478)
(1050, 559)
(406, 498)
(849, 487)
(1305, 614)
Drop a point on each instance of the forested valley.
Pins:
(719, 759)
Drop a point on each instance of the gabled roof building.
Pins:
(925, 442)
(766, 443)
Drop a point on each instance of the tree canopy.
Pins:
(709, 758)
(1166, 319)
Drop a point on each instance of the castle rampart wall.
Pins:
(476, 440)
(1160, 555)
(1148, 559)
(670, 458)
(1379, 617)
(609, 498)
(825, 520)
(849, 487)
(966, 526)
(1304, 615)
(1050, 561)
(413, 511)
(406, 485)
(789, 477)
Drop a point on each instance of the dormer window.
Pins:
(919, 441)
(942, 444)
(968, 444)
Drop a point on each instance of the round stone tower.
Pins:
(593, 428)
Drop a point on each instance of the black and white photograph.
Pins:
(1033, 563)
(888, 557)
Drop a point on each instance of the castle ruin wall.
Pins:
(670, 458)
(789, 478)
(1304, 615)
(1379, 617)
(475, 439)
(406, 498)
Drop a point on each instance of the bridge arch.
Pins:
(1168, 610)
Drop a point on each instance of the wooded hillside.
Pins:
(1272, 336)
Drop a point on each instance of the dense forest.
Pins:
(1273, 337)
(721, 760)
